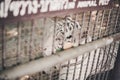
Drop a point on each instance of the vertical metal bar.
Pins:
(44, 26)
(108, 20)
(75, 58)
(86, 42)
(68, 65)
(18, 43)
(54, 32)
(115, 74)
(89, 23)
(3, 45)
(117, 21)
(55, 23)
(60, 67)
(92, 64)
(87, 66)
(31, 40)
(113, 50)
(103, 15)
(99, 76)
(94, 27)
(106, 63)
(83, 18)
(97, 65)
(81, 66)
(96, 20)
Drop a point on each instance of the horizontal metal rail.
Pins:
(50, 61)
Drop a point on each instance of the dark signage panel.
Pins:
(20, 9)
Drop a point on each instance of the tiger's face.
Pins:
(66, 34)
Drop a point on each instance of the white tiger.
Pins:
(66, 35)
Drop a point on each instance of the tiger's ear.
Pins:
(69, 18)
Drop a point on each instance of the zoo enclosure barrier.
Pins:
(23, 43)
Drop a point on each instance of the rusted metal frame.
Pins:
(107, 73)
(83, 18)
(76, 57)
(103, 75)
(117, 21)
(52, 60)
(86, 42)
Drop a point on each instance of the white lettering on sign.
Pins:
(82, 4)
(28, 7)
(104, 2)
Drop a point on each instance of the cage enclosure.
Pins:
(58, 39)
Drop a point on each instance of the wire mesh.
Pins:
(34, 39)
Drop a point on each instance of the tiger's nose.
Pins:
(70, 36)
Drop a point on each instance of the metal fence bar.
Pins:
(106, 63)
(87, 66)
(108, 20)
(99, 76)
(115, 73)
(107, 73)
(117, 16)
(83, 17)
(92, 64)
(101, 24)
(86, 42)
(97, 65)
(81, 67)
(75, 68)
(57, 58)
(2, 56)
(68, 65)
(96, 20)
(75, 58)
(18, 42)
(55, 22)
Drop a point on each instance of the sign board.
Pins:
(18, 9)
